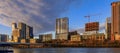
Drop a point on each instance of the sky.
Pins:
(41, 14)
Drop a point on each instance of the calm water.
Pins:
(69, 50)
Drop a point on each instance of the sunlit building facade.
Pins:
(45, 37)
(14, 26)
(75, 38)
(91, 28)
(99, 36)
(21, 32)
(115, 25)
(62, 28)
(15, 35)
(117, 37)
(32, 40)
(108, 28)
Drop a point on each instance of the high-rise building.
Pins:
(29, 32)
(16, 35)
(115, 25)
(21, 32)
(4, 38)
(14, 26)
(108, 28)
(22, 28)
(62, 28)
(15, 32)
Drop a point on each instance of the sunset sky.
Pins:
(41, 14)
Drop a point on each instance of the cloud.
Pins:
(40, 14)
(81, 30)
(102, 27)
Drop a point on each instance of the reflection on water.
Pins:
(69, 50)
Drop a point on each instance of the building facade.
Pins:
(92, 26)
(115, 25)
(29, 32)
(23, 41)
(99, 36)
(117, 37)
(62, 28)
(32, 41)
(22, 28)
(14, 26)
(90, 32)
(75, 38)
(108, 28)
(22, 32)
(15, 35)
(4, 38)
(45, 37)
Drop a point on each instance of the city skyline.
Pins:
(75, 11)
(97, 28)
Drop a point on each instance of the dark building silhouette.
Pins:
(4, 38)
(29, 32)
(22, 28)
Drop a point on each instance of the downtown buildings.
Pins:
(22, 31)
(92, 32)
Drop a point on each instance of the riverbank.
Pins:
(66, 45)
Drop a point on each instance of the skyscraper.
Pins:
(108, 28)
(14, 26)
(4, 38)
(29, 32)
(115, 18)
(22, 28)
(23, 31)
(15, 32)
(62, 28)
(16, 35)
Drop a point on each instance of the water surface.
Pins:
(68, 50)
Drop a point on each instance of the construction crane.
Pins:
(89, 16)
